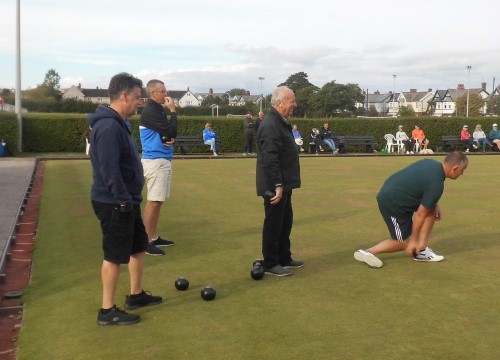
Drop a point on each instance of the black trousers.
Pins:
(248, 145)
(276, 231)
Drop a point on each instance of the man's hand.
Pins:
(169, 103)
(279, 194)
(169, 143)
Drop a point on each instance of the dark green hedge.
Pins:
(63, 132)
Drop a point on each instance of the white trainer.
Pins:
(428, 255)
(368, 257)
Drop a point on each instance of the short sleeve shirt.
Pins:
(419, 183)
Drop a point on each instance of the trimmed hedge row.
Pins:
(64, 132)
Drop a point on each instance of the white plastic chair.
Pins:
(392, 144)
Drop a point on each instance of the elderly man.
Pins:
(278, 173)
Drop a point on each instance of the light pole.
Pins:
(261, 78)
(17, 103)
(394, 94)
(468, 86)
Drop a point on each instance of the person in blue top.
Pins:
(408, 203)
(209, 138)
(158, 135)
(116, 195)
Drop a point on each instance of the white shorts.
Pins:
(158, 176)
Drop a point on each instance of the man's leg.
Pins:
(388, 246)
(151, 216)
(271, 232)
(110, 273)
(136, 268)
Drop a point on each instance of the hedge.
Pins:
(44, 132)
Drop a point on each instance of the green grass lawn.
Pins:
(332, 308)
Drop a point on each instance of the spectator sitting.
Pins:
(209, 138)
(494, 136)
(326, 137)
(298, 137)
(480, 137)
(408, 143)
(418, 135)
(466, 139)
(315, 140)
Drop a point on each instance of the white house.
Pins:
(416, 100)
(446, 100)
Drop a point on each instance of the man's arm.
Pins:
(423, 222)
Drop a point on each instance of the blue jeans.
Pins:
(483, 142)
(330, 144)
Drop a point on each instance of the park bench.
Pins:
(450, 142)
(183, 142)
(345, 141)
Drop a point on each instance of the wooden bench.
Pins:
(344, 141)
(183, 142)
(450, 142)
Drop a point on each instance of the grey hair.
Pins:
(151, 85)
(279, 94)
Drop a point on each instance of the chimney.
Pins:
(377, 92)
(429, 89)
(364, 92)
(413, 90)
(210, 91)
(460, 87)
(80, 86)
(483, 86)
(248, 93)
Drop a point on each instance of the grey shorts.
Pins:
(399, 227)
(158, 176)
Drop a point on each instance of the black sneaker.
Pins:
(153, 250)
(162, 242)
(117, 317)
(278, 270)
(143, 299)
(294, 264)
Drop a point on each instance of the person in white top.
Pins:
(401, 136)
(480, 138)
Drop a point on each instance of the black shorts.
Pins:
(123, 233)
(399, 227)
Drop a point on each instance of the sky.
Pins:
(224, 44)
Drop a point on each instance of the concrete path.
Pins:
(15, 178)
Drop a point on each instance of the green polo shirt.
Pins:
(419, 183)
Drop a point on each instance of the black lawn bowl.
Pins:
(257, 272)
(208, 293)
(181, 284)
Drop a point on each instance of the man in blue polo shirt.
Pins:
(158, 135)
(408, 202)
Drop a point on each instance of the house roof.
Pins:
(415, 95)
(95, 93)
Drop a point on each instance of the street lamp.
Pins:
(17, 103)
(394, 94)
(468, 86)
(261, 78)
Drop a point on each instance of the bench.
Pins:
(185, 141)
(450, 142)
(344, 141)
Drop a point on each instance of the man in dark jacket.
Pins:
(278, 173)
(249, 131)
(116, 196)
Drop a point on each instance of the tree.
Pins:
(52, 80)
(234, 92)
(303, 97)
(372, 111)
(494, 105)
(476, 103)
(406, 111)
(297, 81)
(335, 98)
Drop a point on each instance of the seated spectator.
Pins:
(466, 138)
(298, 137)
(494, 136)
(326, 137)
(209, 138)
(418, 135)
(408, 143)
(315, 141)
(480, 137)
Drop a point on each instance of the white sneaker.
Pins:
(467, 150)
(428, 255)
(407, 152)
(475, 146)
(411, 152)
(368, 257)
(215, 154)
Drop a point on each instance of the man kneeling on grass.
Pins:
(408, 202)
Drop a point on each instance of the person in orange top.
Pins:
(419, 136)
(466, 138)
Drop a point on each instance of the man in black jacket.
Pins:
(278, 173)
